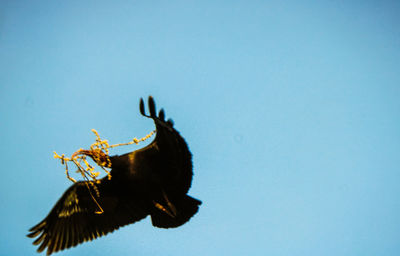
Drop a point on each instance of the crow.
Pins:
(151, 181)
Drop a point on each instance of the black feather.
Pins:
(161, 115)
(152, 107)
(170, 122)
(141, 107)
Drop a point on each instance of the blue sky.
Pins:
(290, 108)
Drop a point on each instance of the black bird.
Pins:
(151, 181)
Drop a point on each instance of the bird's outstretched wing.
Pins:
(169, 149)
(75, 218)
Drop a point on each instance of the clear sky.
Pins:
(290, 108)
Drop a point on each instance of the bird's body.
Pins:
(150, 181)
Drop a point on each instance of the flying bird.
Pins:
(151, 181)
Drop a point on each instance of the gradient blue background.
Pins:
(291, 110)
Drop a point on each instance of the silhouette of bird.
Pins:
(151, 181)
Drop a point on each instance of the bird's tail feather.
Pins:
(185, 209)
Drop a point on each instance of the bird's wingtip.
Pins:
(141, 107)
(152, 106)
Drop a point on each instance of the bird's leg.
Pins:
(171, 206)
(162, 208)
(170, 210)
